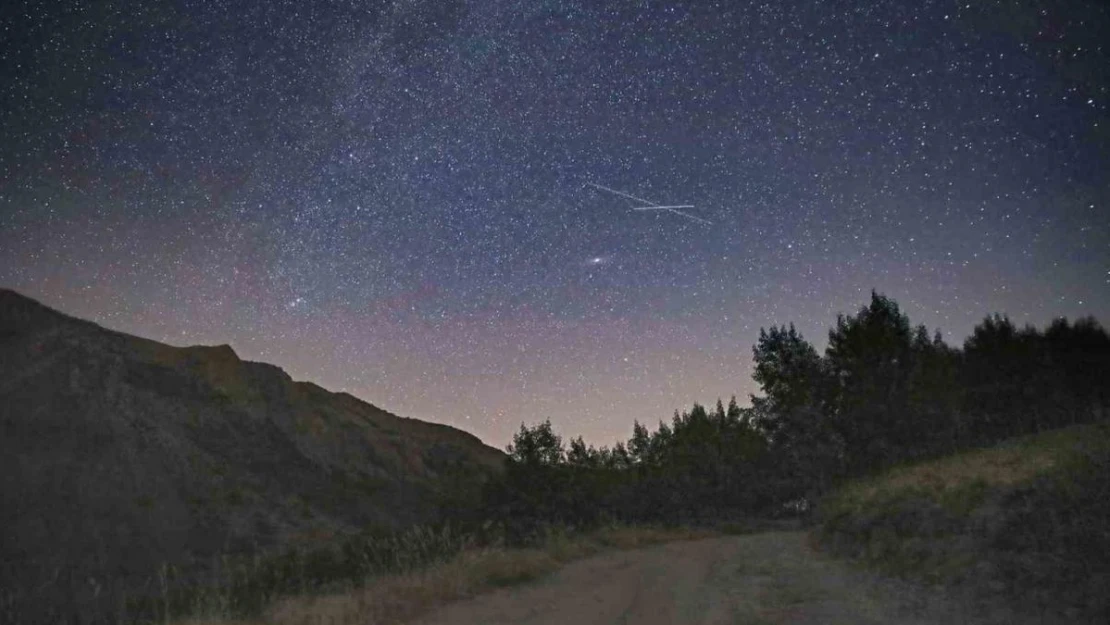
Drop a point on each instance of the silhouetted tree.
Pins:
(1003, 376)
(935, 396)
(639, 446)
(869, 361)
(581, 455)
(535, 488)
(788, 370)
(1081, 353)
(804, 450)
(535, 446)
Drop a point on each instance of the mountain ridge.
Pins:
(120, 454)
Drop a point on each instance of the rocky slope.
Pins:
(119, 454)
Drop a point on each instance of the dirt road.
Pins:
(757, 579)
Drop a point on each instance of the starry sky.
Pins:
(394, 198)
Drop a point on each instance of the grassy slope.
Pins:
(1027, 521)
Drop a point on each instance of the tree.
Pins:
(788, 370)
(536, 483)
(1080, 352)
(538, 445)
(733, 414)
(869, 360)
(935, 396)
(1004, 374)
(790, 414)
(619, 457)
(639, 446)
(581, 455)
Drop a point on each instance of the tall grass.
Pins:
(400, 597)
(373, 576)
(232, 586)
(245, 586)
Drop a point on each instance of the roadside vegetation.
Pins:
(1024, 523)
(375, 576)
(382, 578)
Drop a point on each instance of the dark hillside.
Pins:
(119, 454)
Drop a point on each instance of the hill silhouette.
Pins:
(120, 454)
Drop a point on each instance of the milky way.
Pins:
(394, 199)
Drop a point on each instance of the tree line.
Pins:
(884, 392)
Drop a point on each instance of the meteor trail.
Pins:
(685, 214)
(652, 206)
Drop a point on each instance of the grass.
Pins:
(375, 576)
(1012, 463)
(960, 485)
(245, 586)
(404, 595)
(1022, 521)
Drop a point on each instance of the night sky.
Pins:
(393, 198)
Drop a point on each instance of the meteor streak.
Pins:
(652, 206)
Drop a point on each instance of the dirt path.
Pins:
(758, 579)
